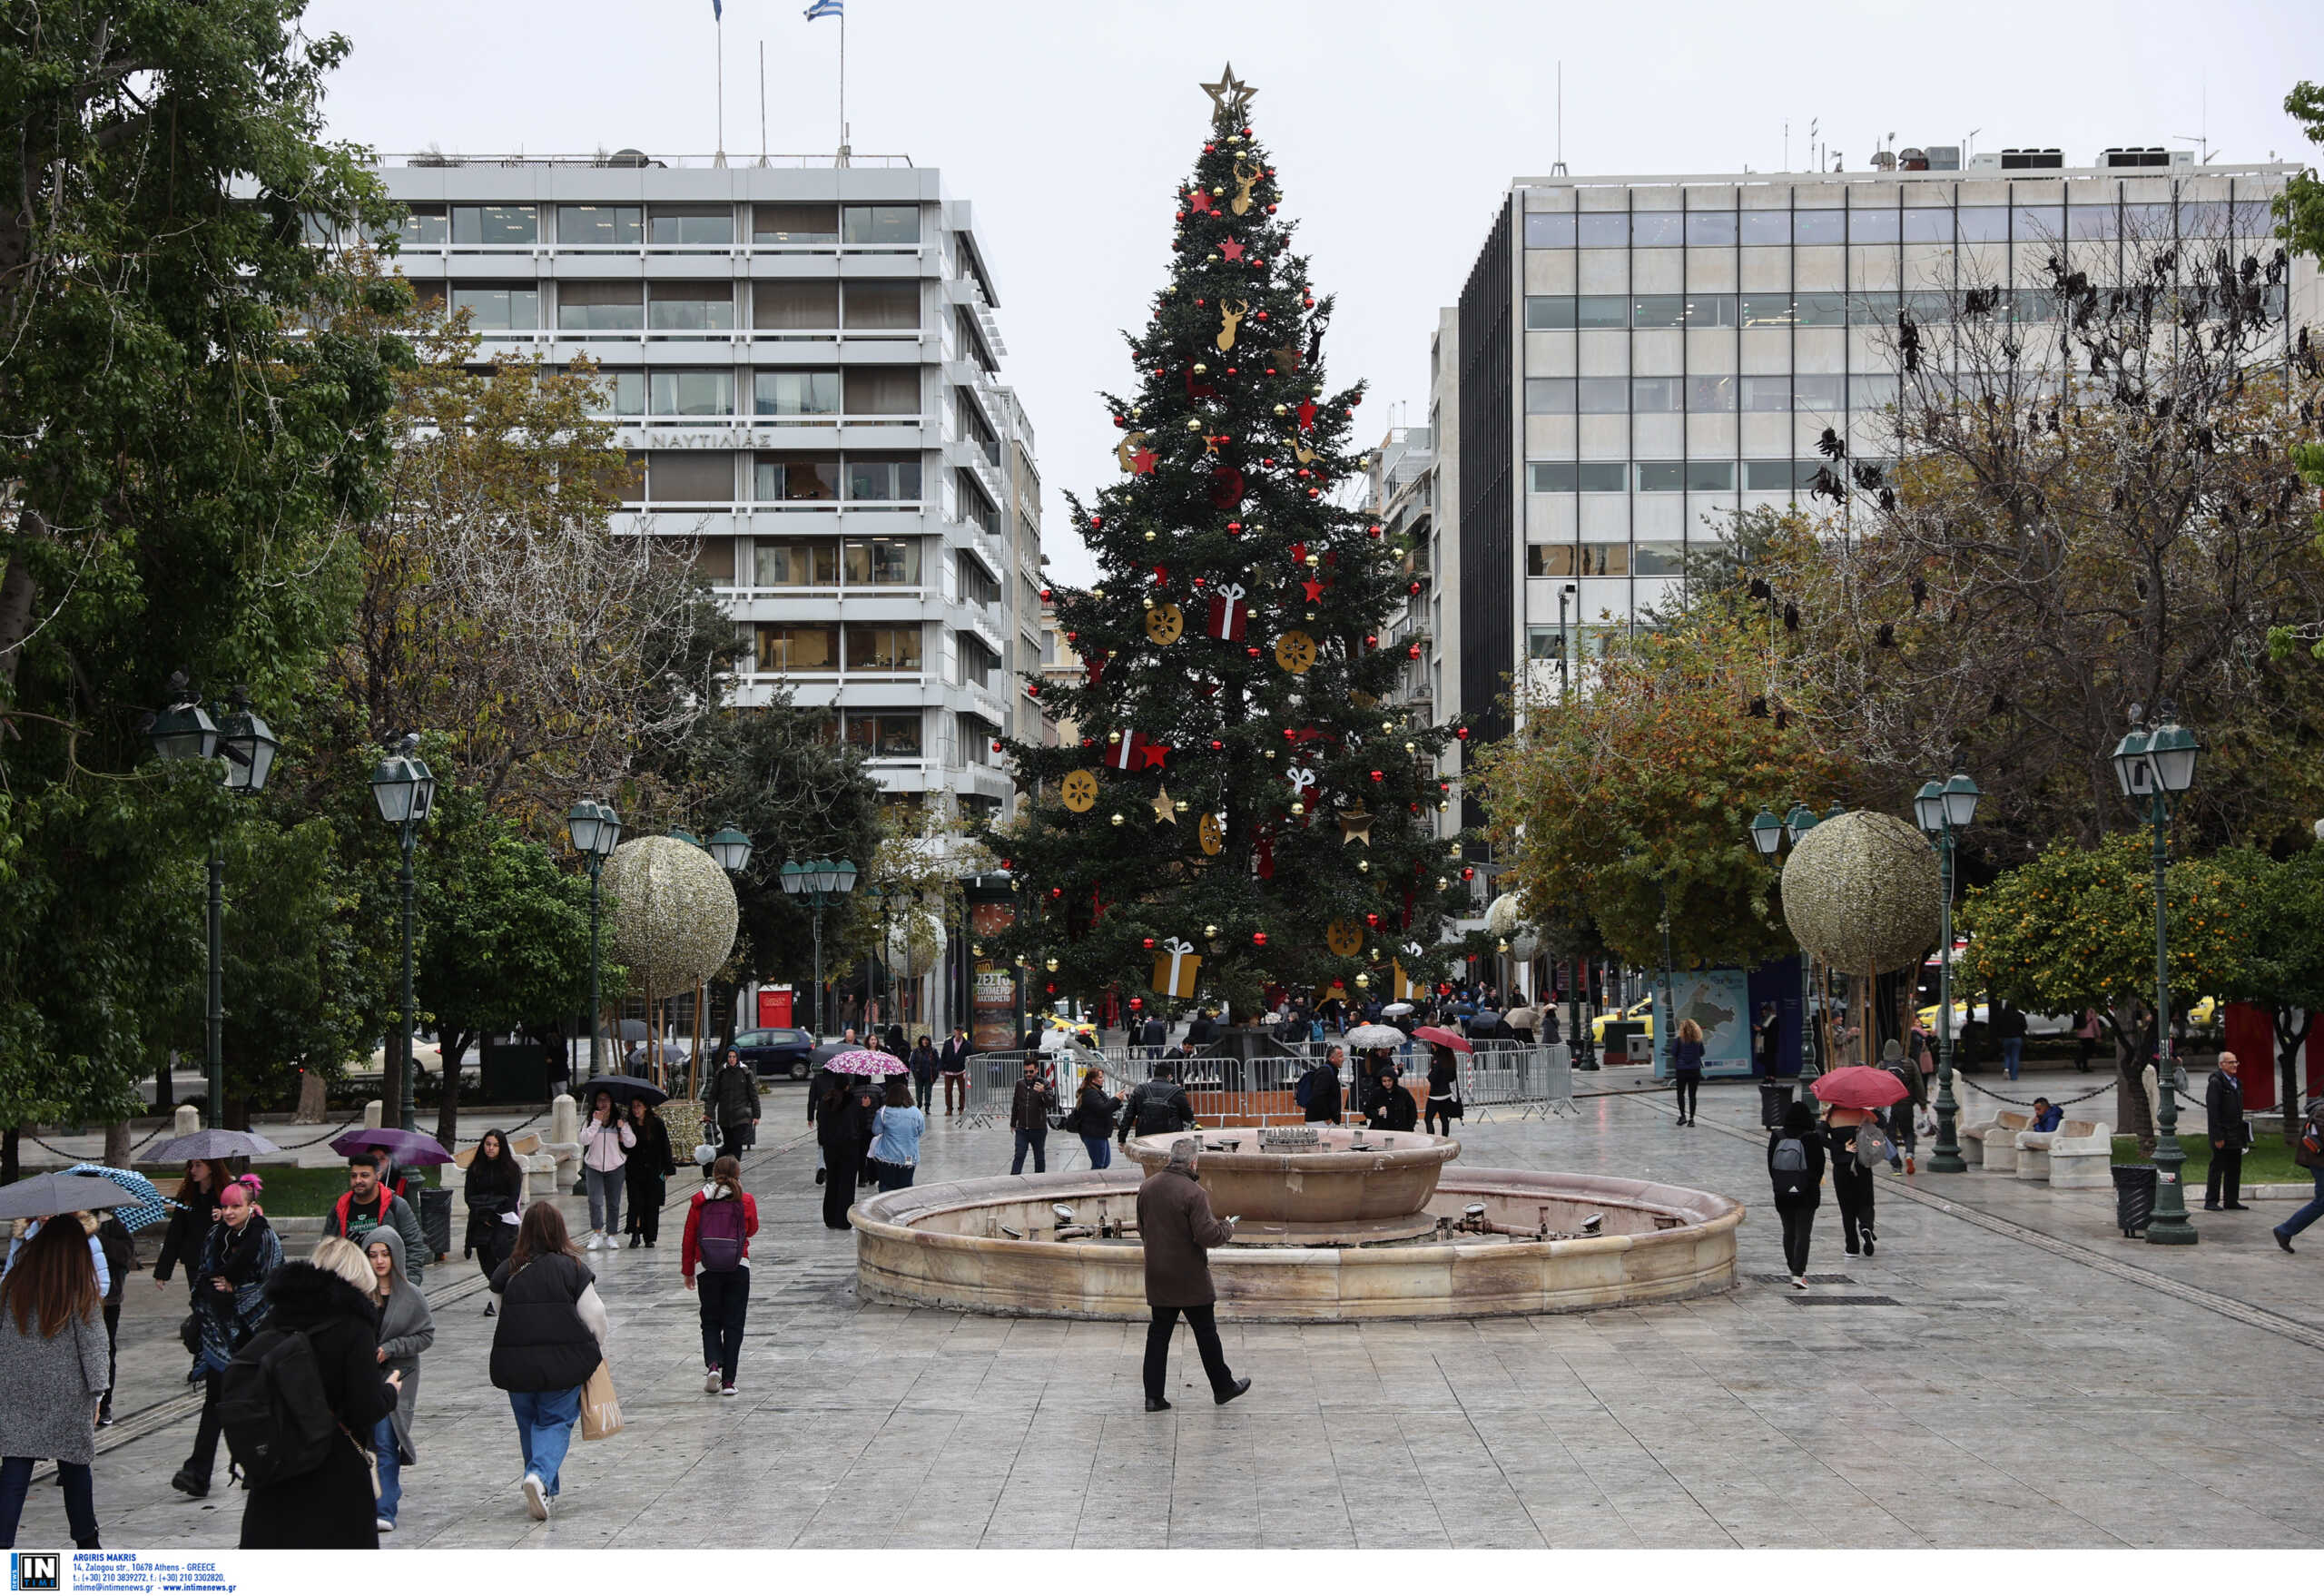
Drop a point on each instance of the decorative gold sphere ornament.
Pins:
(1861, 893)
(673, 913)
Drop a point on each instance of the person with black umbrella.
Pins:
(647, 1173)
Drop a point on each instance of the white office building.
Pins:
(806, 362)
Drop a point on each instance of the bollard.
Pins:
(565, 1131)
(187, 1120)
(371, 1115)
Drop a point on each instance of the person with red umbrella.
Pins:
(1855, 1096)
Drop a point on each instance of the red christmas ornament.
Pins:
(1206, 149)
(1259, 938)
(1270, 370)
(1270, 210)
(1045, 596)
(1412, 587)
(1235, 526)
(1150, 944)
(1413, 652)
(1376, 776)
(1096, 520)
(1057, 892)
(1032, 689)
(1354, 401)
(1073, 637)
(1121, 421)
(1468, 872)
(1053, 989)
(1315, 493)
(1372, 921)
(1252, 652)
(1461, 732)
(996, 745)
(1260, 317)
(1231, 251)
(1140, 1002)
(1216, 744)
(1008, 865)
(1371, 640)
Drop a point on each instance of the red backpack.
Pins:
(719, 1236)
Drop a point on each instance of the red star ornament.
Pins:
(1315, 590)
(1143, 462)
(1155, 753)
(1200, 200)
(1230, 250)
(1307, 414)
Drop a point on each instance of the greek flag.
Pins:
(718, 10)
(826, 8)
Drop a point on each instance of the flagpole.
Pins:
(762, 102)
(842, 88)
(719, 18)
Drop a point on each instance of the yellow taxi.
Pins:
(1641, 1010)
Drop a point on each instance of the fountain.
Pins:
(1332, 1222)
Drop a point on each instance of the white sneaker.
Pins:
(1799, 1282)
(710, 1381)
(536, 1497)
(597, 1239)
(725, 1391)
(384, 1525)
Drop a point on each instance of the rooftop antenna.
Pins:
(1969, 144)
(718, 19)
(1786, 144)
(1557, 167)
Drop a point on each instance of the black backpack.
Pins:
(1157, 1111)
(271, 1404)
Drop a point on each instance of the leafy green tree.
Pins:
(2283, 967)
(2300, 209)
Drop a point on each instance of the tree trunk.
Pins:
(314, 1098)
(2133, 1115)
(117, 1145)
(2289, 1043)
(17, 591)
(455, 1041)
(10, 1146)
(164, 1091)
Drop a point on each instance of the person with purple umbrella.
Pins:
(367, 1204)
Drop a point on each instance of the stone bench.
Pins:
(2077, 1155)
(1996, 1140)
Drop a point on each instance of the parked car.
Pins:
(777, 1050)
(1642, 1011)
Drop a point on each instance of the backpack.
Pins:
(1304, 1092)
(2310, 1152)
(1790, 1164)
(1157, 1113)
(1873, 1145)
(271, 1404)
(718, 1236)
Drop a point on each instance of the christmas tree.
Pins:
(1244, 811)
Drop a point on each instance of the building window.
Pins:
(1710, 309)
(600, 307)
(802, 305)
(624, 391)
(1711, 395)
(1549, 313)
(1873, 225)
(1821, 395)
(1819, 227)
(971, 425)
(1549, 395)
(803, 564)
(1872, 391)
(973, 661)
(975, 508)
(1549, 559)
(1602, 396)
(690, 307)
(881, 562)
(1578, 476)
(1820, 310)
(1710, 476)
(1547, 643)
(1601, 229)
(690, 393)
(1875, 308)
(1763, 394)
(1658, 311)
(796, 391)
(682, 225)
(1767, 310)
(882, 390)
(1710, 227)
(1777, 476)
(883, 648)
(782, 225)
(1931, 224)
(1605, 559)
(1982, 224)
(1651, 229)
(789, 649)
(879, 224)
(1661, 476)
(1766, 227)
(601, 224)
(798, 479)
(2035, 223)
(883, 735)
(882, 479)
(1658, 560)
(495, 224)
(882, 307)
(1652, 395)
(690, 477)
(497, 308)
(977, 586)
(425, 225)
(1549, 229)
(1602, 311)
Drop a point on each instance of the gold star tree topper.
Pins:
(1230, 95)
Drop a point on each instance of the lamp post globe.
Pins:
(1798, 822)
(249, 744)
(2132, 771)
(183, 729)
(731, 849)
(405, 791)
(2171, 752)
(1928, 808)
(1961, 797)
(1766, 834)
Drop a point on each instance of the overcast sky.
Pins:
(1394, 126)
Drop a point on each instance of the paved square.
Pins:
(2007, 1371)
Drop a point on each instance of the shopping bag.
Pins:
(600, 1408)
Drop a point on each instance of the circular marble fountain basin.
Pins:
(1356, 1186)
(943, 1246)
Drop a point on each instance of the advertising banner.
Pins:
(1719, 1000)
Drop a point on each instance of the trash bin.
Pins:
(2133, 1196)
(436, 1218)
(1775, 1097)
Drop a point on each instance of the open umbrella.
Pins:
(211, 1145)
(1444, 1038)
(623, 1087)
(1374, 1036)
(403, 1146)
(1394, 1010)
(61, 1193)
(151, 1206)
(1858, 1086)
(864, 1061)
(1520, 1019)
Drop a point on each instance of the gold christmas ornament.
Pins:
(1230, 317)
(1194, 423)
(1149, 537)
(1212, 833)
(1079, 791)
(1201, 370)
(1163, 814)
(1243, 183)
(1230, 96)
(1355, 826)
(1125, 451)
(1343, 937)
(1363, 865)
(1296, 653)
(673, 914)
(1860, 892)
(1117, 817)
(1165, 625)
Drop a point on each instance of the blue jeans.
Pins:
(1038, 1140)
(79, 1500)
(2012, 1048)
(390, 1463)
(2311, 1211)
(1101, 1151)
(605, 1188)
(545, 1420)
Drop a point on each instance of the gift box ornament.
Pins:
(1176, 965)
(1228, 614)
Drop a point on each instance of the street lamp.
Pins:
(596, 830)
(185, 730)
(1941, 810)
(2153, 766)
(731, 849)
(1770, 836)
(405, 789)
(819, 880)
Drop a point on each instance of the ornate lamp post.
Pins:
(2153, 768)
(186, 731)
(819, 880)
(405, 789)
(594, 831)
(1770, 836)
(1940, 811)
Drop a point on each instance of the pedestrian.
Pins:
(897, 1126)
(407, 1329)
(2225, 1124)
(367, 1203)
(1094, 1113)
(715, 1256)
(1157, 1105)
(55, 1369)
(731, 1101)
(842, 1152)
(1900, 1116)
(1767, 1040)
(865, 1093)
(1443, 1088)
(239, 1255)
(2308, 1152)
(1387, 1106)
(647, 1173)
(1318, 1091)
(2009, 1029)
(1687, 1068)
(1851, 1184)
(494, 1193)
(1029, 1117)
(605, 1144)
(892, 1044)
(1156, 1035)
(550, 1339)
(1796, 1169)
(2046, 1115)
(190, 1223)
(330, 1300)
(119, 1250)
(923, 1073)
(952, 1064)
(2085, 1032)
(1175, 1231)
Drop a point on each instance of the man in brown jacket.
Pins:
(1177, 1229)
(1029, 1117)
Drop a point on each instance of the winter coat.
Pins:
(1814, 1180)
(923, 1064)
(690, 1244)
(1443, 1075)
(1177, 1230)
(492, 1190)
(1096, 1107)
(734, 1096)
(652, 1163)
(407, 1329)
(1029, 1107)
(845, 1123)
(332, 1506)
(246, 1260)
(543, 1340)
(605, 1145)
(2223, 1108)
(120, 1255)
(895, 1136)
(1323, 1095)
(182, 1242)
(1686, 1058)
(952, 1058)
(353, 1223)
(1175, 1109)
(49, 1388)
